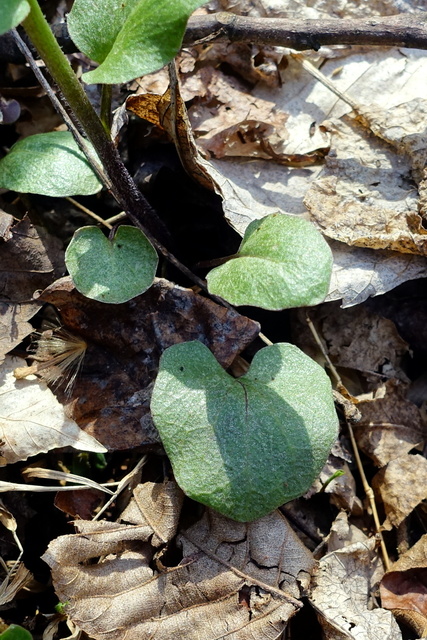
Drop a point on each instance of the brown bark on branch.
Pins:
(404, 30)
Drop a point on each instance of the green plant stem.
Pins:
(105, 112)
(124, 189)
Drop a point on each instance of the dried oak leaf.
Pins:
(390, 424)
(111, 396)
(30, 259)
(341, 595)
(404, 587)
(401, 486)
(235, 581)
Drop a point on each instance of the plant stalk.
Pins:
(123, 187)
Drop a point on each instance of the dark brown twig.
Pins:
(403, 30)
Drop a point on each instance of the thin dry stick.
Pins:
(89, 212)
(122, 485)
(366, 487)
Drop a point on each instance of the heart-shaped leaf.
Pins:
(130, 38)
(12, 12)
(111, 271)
(50, 164)
(283, 262)
(244, 446)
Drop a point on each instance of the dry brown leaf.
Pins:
(158, 507)
(10, 588)
(111, 394)
(355, 338)
(235, 580)
(404, 587)
(341, 594)
(343, 533)
(390, 426)
(401, 486)
(170, 114)
(341, 489)
(30, 259)
(32, 420)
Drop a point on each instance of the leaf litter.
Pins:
(246, 580)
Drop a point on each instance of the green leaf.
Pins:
(15, 632)
(12, 12)
(50, 164)
(130, 38)
(283, 262)
(244, 446)
(111, 271)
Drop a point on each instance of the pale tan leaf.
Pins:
(235, 581)
(401, 486)
(359, 273)
(341, 595)
(32, 420)
(343, 533)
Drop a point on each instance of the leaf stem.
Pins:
(106, 99)
(123, 187)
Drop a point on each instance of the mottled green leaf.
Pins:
(12, 12)
(50, 164)
(130, 38)
(111, 271)
(283, 262)
(244, 446)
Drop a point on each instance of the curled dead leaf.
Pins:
(244, 579)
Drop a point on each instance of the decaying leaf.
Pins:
(359, 273)
(404, 587)
(342, 489)
(341, 595)
(10, 587)
(390, 426)
(30, 259)
(401, 486)
(32, 420)
(343, 533)
(345, 217)
(234, 581)
(111, 395)
(356, 339)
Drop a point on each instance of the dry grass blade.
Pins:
(50, 474)
(124, 482)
